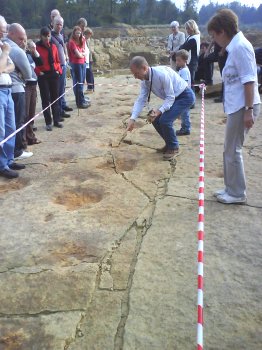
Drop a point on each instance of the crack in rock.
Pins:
(78, 333)
(41, 313)
(142, 227)
(125, 178)
(119, 336)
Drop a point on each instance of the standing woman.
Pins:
(48, 78)
(77, 57)
(174, 41)
(192, 45)
(89, 73)
(241, 100)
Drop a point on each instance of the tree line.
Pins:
(36, 13)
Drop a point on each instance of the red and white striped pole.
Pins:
(201, 217)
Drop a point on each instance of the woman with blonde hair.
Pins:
(192, 45)
(77, 57)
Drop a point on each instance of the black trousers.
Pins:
(90, 78)
(192, 69)
(49, 89)
(19, 106)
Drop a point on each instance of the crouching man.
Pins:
(166, 84)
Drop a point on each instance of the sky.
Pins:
(256, 3)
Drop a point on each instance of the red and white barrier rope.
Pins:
(201, 217)
(110, 84)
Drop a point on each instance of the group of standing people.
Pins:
(240, 93)
(23, 65)
(202, 55)
(57, 52)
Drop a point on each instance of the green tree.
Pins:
(128, 9)
(190, 10)
(166, 12)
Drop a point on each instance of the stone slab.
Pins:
(99, 326)
(45, 332)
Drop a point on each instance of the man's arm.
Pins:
(6, 64)
(249, 101)
(138, 106)
(21, 63)
(34, 53)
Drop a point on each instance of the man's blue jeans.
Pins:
(20, 115)
(78, 72)
(7, 127)
(164, 123)
(185, 120)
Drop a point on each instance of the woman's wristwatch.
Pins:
(248, 108)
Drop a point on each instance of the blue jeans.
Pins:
(185, 120)
(20, 115)
(7, 127)
(62, 83)
(78, 72)
(192, 69)
(164, 123)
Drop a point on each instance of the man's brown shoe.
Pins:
(162, 150)
(171, 153)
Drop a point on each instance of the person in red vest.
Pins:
(48, 78)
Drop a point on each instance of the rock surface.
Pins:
(99, 243)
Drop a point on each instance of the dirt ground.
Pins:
(99, 243)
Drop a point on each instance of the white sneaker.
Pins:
(25, 155)
(220, 192)
(227, 199)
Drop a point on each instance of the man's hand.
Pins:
(31, 47)
(248, 119)
(130, 125)
(6, 48)
(152, 115)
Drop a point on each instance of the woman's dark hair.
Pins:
(225, 20)
(45, 31)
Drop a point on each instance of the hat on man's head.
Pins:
(45, 31)
(174, 24)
